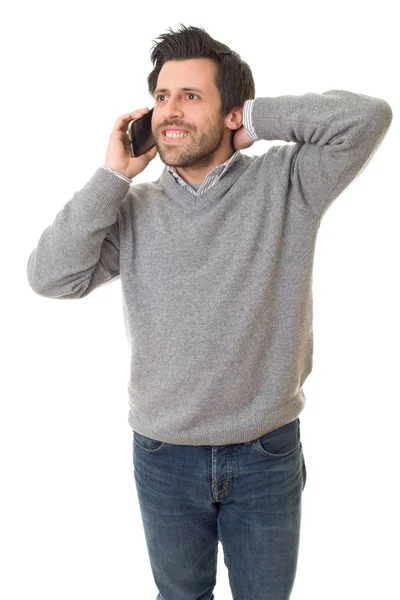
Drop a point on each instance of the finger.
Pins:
(152, 151)
(123, 119)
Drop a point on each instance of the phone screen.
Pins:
(141, 135)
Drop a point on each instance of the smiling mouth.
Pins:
(174, 138)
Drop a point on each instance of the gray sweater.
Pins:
(217, 287)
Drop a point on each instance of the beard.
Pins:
(195, 150)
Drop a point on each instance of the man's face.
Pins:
(195, 109)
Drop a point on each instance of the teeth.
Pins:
(175, 135)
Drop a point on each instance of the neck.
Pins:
(197, 173)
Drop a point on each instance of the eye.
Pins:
(188, 94)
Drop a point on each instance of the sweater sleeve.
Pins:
(104, 166)
(335, 135)
(80, 250)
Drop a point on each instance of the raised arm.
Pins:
(80, 250)
(335, 133)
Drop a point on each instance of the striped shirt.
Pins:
(216, 173)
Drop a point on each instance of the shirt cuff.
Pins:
(117, 174)
(248, 120)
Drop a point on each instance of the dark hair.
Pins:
(234, 78)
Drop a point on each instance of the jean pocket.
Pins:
(147, 444)
(281, 442)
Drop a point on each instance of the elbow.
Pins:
(47, 287)
(37, 286)
(387, 113)
(42, 286)
(382, 115)
(56, 290)
(37, 280)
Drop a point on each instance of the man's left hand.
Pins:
(241, 139)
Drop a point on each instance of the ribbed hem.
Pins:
(117, 174)
(215, 435)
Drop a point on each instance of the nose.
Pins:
(173, 109)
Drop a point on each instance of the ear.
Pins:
(234, 119)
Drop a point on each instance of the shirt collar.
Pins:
(211, 178)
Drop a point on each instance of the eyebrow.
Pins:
(185, 89)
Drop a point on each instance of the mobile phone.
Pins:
(140, 134)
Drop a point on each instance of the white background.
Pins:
(70, 520)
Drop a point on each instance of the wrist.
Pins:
(248, 119)
(118, 173)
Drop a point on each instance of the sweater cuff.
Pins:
(117, 174)
(248, 119)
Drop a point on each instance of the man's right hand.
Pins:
(119, 151)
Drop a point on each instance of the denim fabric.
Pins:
(248, 496)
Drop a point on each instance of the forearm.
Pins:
(68, 252)
(333, 117)
(335, 134)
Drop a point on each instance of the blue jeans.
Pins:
(247, 496)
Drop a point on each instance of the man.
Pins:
(215, 259)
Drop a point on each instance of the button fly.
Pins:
(223, 470)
